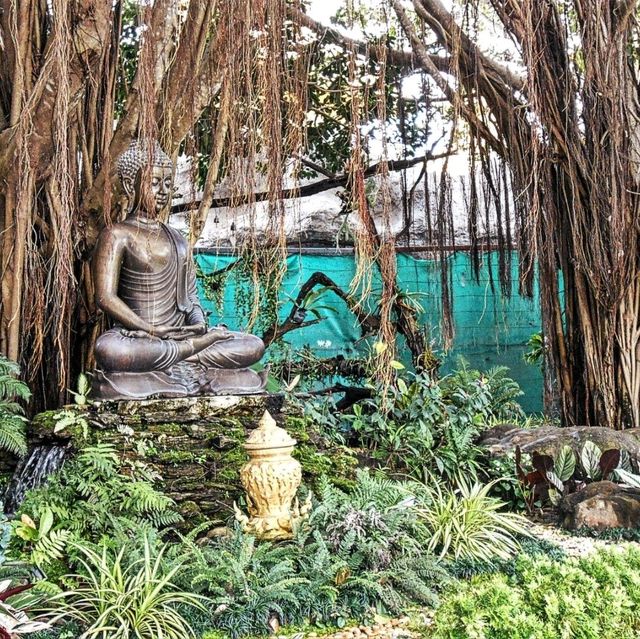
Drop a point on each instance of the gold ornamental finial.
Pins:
(269, 435)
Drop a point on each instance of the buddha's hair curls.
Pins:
(137, 156)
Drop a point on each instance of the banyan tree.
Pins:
(567, 127)
(230, 85)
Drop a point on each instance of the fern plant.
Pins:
(378, 534)
(95, 497)
(42, 543)
(359, 552)
(483, 396)
(12, 420)
(248, 583)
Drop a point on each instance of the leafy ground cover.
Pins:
(431, 525)
(593, 597)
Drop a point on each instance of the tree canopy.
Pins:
(549, 122)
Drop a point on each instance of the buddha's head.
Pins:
(147, 177)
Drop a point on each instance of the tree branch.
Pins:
(405, 59)
(315, 166)
(368, 323)
(308, 189)
(452, 95)
(446, 28)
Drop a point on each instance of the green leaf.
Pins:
(380, 347)
(590, 459)
(628, 478)
(46, 521)
(554, 496)
(625, 461)
(555, 481)
(293, 383)
(84, 385)
(397, 365)
(565, 464)
(64, 421)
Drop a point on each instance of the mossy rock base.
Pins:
(195, 445)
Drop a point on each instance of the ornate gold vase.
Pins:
(271, 478)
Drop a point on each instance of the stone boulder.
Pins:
(549, 440)
(601, 505)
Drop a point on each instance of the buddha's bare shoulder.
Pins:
(178, 237)
(117, 233)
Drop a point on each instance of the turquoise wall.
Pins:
(490, 328)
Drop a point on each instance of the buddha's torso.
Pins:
(149, 274)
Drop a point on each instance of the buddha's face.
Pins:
(161, 186)
(158, 192)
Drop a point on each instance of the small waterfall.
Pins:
(31, 472)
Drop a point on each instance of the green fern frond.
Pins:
(100, 459)
(12, 434)
(8, 367)
(12, 389)
(50, 547)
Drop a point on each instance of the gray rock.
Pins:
(601, 505)
(549, 440)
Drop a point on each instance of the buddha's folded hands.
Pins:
(180, 333)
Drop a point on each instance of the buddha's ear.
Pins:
(127, 185)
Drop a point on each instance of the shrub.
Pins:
(112, 600)
(596, 597)
(465, 568)
(423, 423)
(490, 395)
(94, 497)
(359, 551)
(468, 523)
(376, 531)
(247, 582)
(567, 472)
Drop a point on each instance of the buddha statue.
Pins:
(159, 343)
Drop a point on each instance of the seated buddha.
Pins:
(159, 343)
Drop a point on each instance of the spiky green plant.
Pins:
(12, 420)
(469, 523)
(113, 600)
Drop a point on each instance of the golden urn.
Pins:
(271, 479)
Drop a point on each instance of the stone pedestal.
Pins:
(196, 444)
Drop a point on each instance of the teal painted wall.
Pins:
(490, 329)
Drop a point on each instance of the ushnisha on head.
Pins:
(131, 167)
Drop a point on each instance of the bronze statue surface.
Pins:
(145, 283)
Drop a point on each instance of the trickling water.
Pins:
(32, 472)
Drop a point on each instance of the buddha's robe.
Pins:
(167, 297)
